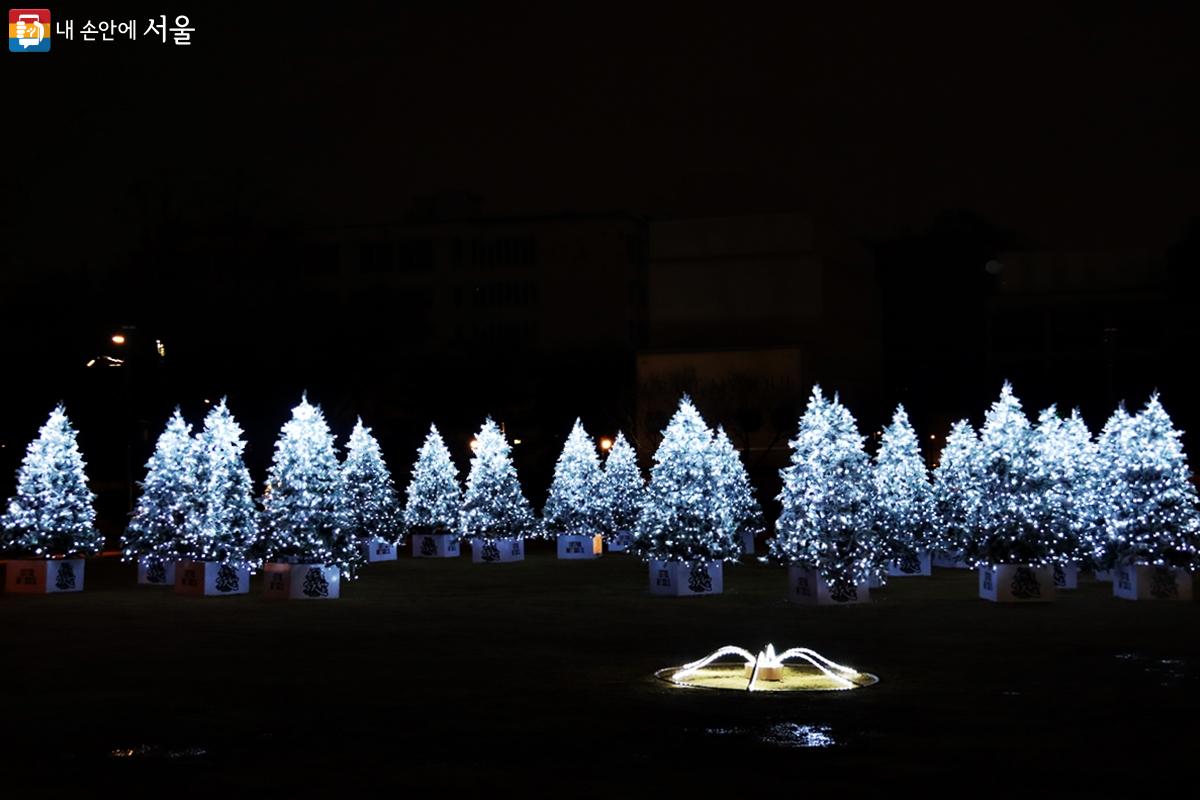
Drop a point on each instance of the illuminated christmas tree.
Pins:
(1112, 445)
(684, 516)
(370, 492)
(305, 514)
(433, 495)
(223, 524)
(1063, 476)
(622, 490)
(955, 490)
(827, 518)
(735, 488)
(1153, 515)
(573, 507)
(493, 505)
(52, 514)
(168, 498)
(1007, 529)
(903, 496)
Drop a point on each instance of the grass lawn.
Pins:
(536, 678)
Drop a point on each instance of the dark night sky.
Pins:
(1070, 127)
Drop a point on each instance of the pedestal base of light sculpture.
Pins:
(44, 576)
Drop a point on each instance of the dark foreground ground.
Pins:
(536, 679)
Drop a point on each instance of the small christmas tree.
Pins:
(1152, 516)
(168, 499)
(223, 524)
(370, 492)
(573, 507)
(1007, 529)
(903, 496)
(433, 494)
(305, 512)
(622, 490)
(493, 505)
(684, 517)
(827, 518)
(52, 514)
(955, 490)
(735, 488)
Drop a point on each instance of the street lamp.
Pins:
(606, 443)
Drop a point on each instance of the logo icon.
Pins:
(29, 30)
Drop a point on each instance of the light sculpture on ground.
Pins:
(768, 671)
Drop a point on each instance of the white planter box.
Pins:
(949, 562)
(315, 582)
(573, 547)
(620, 542)
(1016, 583)
(809, 586)
(210, 579)
(1146, 582)
(1066, 577)
(499, 551)
(680, 579)
(301, 581)
(44, 576)
(153, 572)
(435, 545)
(920, 564)
(378, 550)
(747, 544)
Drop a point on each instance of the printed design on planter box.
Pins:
(26, 577)
(382, 548)
(699, 580)
(1123, 580)
(275, 582)
(428, 546)
(156, 573)
(490, 552)
(315, 584)
(1163, 585)
(1025, 584)
(66, 577)
(452, 546)
(1060, 576)
(227, 579)
(987, 579)
(802, 588)
(516, 548)
(910, 564)
(843, 591)
(574, 548)
(188, 578)
(663, 579)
